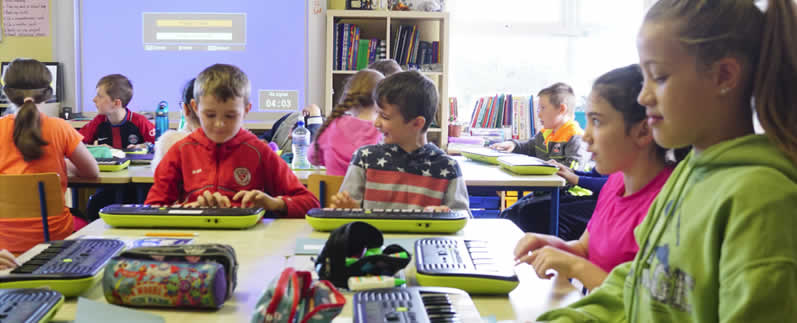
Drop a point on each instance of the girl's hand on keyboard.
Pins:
(213, 199)
(7, 260)
(343, 200)
(256, 198)
(549, 257)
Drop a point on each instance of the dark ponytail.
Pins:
(620, 87)
(27, 83)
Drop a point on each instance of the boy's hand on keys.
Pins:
(506, 146)
(343, 200)
(255, 198)
(136, 147)
(565, 172)
(211, 199)
(439, 208)
(7, 260)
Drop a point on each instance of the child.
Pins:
(559, 140)
(32, 142)
(115, 125)
(168, 138)
(7, 260)
(622, 144)
(387, 67)
(405, 172)
(718, 242)
(349, 126)
(221, 164)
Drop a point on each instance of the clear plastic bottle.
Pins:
(301, 143)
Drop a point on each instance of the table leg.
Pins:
(554, 229)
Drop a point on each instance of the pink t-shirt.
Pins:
(611, 228)
(340, 140)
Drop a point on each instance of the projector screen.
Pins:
(159, 45)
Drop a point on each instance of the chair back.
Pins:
(19, 195)
(330, 185)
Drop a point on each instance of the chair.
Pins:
(31, 195)
(324, 186)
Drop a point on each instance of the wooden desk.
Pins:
(263, 251)
(493, 177)
(478, 174)
(120, 177)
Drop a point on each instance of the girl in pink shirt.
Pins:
(349, 126)
(621, 144)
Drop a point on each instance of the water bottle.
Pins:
(161, 119)
(301, 143)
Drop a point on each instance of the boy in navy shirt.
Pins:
(115, 125)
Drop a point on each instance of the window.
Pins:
(522, 46)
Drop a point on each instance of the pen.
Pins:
(171, 234)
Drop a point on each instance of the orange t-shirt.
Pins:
(18, 235)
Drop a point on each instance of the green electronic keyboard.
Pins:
(67, 266)
(484, 154)
(526, 165)
(414, 304)
(472, 265)
(112, 164)
(148, 216)
(29, 305)
(138, 151)
(390, 220)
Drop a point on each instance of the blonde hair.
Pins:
(712, 29)
(358, 92)
(224, 82)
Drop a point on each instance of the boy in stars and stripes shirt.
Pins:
(405, 172)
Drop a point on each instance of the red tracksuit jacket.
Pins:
(196, 164)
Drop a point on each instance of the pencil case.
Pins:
(294, 296)
(187, 276)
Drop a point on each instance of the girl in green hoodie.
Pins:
(718, 243)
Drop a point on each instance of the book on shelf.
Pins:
(353, 53)
(409, 50)
(512, 112)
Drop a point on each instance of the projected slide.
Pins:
(159, 45)
(194, 31)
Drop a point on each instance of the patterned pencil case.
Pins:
(189, 276)
(294, 296)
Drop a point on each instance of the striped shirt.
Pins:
(387, 177)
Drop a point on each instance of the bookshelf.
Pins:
(382, 24)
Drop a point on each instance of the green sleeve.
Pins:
(758, 260)
(604, 304)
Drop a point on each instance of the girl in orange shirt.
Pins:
(32, 142)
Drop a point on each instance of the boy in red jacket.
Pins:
(223, 164)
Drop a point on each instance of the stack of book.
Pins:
(352, 53)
